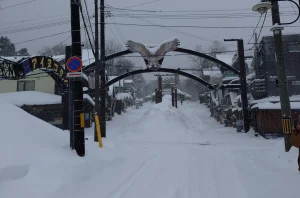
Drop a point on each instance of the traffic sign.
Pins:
(74, 74)
(74, 64)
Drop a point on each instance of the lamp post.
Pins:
(277, 28)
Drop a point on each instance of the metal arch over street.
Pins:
(183, 50)
(167, 70)
(199, 54)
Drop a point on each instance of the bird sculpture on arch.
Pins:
(153, 55)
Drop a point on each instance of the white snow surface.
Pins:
(226, 58)
(86, 96)
(269, 105)
(154, 151)
(29, 98)
(294, 98)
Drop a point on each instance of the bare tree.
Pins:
(113, 65)
(217, 48)
(139, 84)
(121, 66)
(199, 63)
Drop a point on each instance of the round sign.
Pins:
(74, 64)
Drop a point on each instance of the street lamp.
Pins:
(262, 8)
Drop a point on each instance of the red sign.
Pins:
(74, 64)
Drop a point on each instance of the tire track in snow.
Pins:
(226, 176)
(134, 176)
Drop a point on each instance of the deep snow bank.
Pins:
(282, 158)
(25, 137)
(34, 155)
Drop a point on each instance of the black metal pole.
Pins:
(77, 84)
(102, 71)
(172, 93)
(243, 81)
(97, 68)
(282, 80)
(159, 89)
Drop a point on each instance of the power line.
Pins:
(176, 11)
(51, 35)
(50, 50)
(85, 27)
(89, 19)
(191, 17)
(192, 26)
(17, 4)
(148, 2)
(123, 39)
(262, 25)
(174, 30)
(255, 28)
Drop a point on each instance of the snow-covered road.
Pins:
(157, 151)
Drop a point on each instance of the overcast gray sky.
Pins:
(212, 13)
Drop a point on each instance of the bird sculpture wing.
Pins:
(167, 47)
(139, 48)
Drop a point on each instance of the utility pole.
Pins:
(281, 73)
(97, 68)
(102, 71)
(244, 98)
(77, 86)
(70, 116)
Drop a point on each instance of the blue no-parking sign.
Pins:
(74, 64)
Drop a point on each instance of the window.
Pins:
(26, 85)
(294, 47)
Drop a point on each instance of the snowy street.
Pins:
(156, 151)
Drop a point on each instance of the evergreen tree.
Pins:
(7, 48)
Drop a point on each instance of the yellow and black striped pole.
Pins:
(287, 132)
(98, 130)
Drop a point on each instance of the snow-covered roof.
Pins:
(206, 72)
(269, 105)
(122, 96)
(59, 58)
(226, 58)
(128, 81)
(275, 99)
(215, 71)
(230, 78)
(139, 100)
(270, 34)
(212, 71)
(30, 98)
(14, 58)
